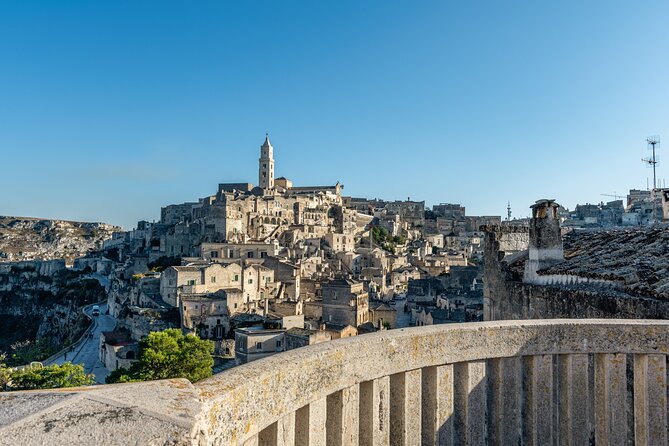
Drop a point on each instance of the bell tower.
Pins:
(266, 165)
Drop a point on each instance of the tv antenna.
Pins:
(653, 143)
(614, 195)
(508, 211)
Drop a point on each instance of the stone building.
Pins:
(253, 281)
(345, 302)
(301, 337)
(258, 342)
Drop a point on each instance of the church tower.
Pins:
(266, 165)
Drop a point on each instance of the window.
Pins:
(214, 254)
(249, 254)
(235, 305)
(278, 344)
(259, 345)
(231, 253)
(213, 279)
(236, 279)
(263, 254)
(191, 282)
(218, 321)
(250, 281)
(267, 279)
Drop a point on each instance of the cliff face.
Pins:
(39, 314)
(24, 238)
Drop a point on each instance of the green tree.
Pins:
(50, 377)
(169, 354)
(4, 371)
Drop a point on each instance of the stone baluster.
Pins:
(342, 417)
(470, 403)
(611, 399)
(538, 423)
(310, 424)
(375, 412)
(650, 399)
(405, 408)
(437, 412)
(574, 400)
(504, 425)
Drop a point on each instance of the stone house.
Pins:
(237, 251)
(207, 316)
(400, 277)
(382, 314)
(255, 281)
(340, 242)
(301, 337)
(345, 302)
(117, 349)
(257, 342)
(338, 331)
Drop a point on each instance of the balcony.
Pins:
(508, 382)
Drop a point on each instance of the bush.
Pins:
(169, 354)
(50, 377)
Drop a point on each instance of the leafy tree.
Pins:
(169, 354)
(50, 377)
(4, 371)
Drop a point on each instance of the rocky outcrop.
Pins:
(42, 313)
(23, 238)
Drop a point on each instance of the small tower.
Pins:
(545, 239)
(266, 165)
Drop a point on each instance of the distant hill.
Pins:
(25, 238)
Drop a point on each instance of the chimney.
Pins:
(545, 247)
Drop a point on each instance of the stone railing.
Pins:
(509, 382)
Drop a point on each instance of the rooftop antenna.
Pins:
(653, 143)
(508, 211)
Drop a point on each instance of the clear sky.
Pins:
(111, 109)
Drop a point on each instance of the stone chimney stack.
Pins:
(545, 247)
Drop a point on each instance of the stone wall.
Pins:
(561, 296)
(509, 382)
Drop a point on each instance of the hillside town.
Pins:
(264, 269)
(272, 267)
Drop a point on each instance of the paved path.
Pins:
(88, 353)
(403, 319)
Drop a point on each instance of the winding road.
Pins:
(88, 352)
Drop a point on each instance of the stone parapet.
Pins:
(512, 382)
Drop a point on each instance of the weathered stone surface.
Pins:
(156, 413)
(17, 405)
(23, 238)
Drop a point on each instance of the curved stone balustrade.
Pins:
(509, 382)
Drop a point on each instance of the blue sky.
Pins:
(110, 110)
